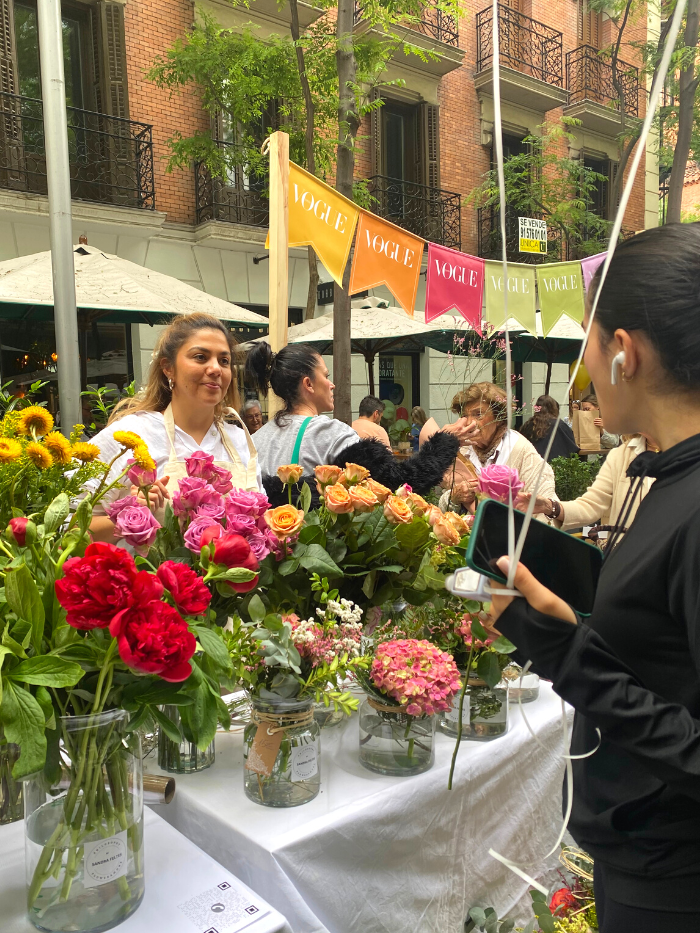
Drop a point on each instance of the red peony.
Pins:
(18, 527)
(152, 637)
(189, 593)
(95, 587)
(562, 902)
(234, 551)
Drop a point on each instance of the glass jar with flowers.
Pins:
(92, 645)
(410, 680)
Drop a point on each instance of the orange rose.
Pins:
(327, 474)
(381, 492)
(445, 532)
(433, 514)
(458, 523)
(397, 511)
(285, 520)
(363, 499)
(354, 473)
(418, 503)
(290, 474)
(337, 499)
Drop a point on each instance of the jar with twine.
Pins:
(391, 741)
(281, 752)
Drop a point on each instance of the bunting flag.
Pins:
(322, 218)
(589, 266)
(386, 255)
(560, 287)
(455, 282)
(521, 295)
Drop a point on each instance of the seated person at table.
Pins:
(367, 425)
(538, 430)
(299, 376)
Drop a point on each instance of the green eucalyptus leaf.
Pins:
(477, 915)
(23, 597)
(506, 926)
(57, 512)
(48, 671)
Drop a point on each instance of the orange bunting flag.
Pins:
(386, 255)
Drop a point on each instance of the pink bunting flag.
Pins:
(455, 282)
(589, 266)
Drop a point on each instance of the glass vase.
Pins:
(484, 712)
(11, 804)
(391, 742)
(282, 753)
(84, 828)
(181, 757)
(327, 716)
(523, 690)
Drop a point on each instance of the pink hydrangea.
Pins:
(496, 479)
(416, 674)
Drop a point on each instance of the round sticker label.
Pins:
(104, 860)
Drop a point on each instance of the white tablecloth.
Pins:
(374, 854)
(176, 871)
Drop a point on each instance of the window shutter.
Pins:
(109, 60)
(375, 135)
(612, 207)
(8, 52)
(429, 137)
(588, 25)
(13, 174)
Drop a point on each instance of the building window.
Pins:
(599, 196)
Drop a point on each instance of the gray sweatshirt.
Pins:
(323, 440)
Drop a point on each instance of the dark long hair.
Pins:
(547, 409)
(653, 285)
(282, 371)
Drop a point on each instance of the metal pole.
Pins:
(60, 226)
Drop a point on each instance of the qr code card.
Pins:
(223, 909)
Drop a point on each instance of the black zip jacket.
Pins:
(632, 671)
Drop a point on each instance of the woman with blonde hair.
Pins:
(189, 391)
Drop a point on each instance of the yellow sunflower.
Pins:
(58, 446)
(127, 439)
(143, 457)
(39, 455)
(81, 450)
(9, 450)
(34, 420)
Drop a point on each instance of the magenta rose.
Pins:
(495, 481)
(199, 464)
(220, 479)
(137, 525)
(140, 476)
(214, 510)
(241, 525)
(259, 545)
(192, 493)
(246, 502)
(195, 530)
(128, 502)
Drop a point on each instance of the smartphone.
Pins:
(565, 565)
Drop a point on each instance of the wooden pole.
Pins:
(279, 250)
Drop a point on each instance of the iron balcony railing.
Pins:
(590, 77)
(111, 160)
(237, 197)
(429, 213)
(433, 22)
(525, 45)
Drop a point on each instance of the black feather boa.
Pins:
(422, 471)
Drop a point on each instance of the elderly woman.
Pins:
(252, 415)
(490, 441)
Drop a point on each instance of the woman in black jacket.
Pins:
(538, 430)
(632, 669)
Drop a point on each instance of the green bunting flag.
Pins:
(521, 295)
(560, 287)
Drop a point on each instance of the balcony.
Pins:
(429, 213)
(435, 32)
(531, 56)
(593, 97)
(237, 197)
(111, 160)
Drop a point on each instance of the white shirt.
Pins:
(499, 455)
(150, 426)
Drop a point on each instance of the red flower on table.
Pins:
(94, 587)
(190, 595)
(562, 902)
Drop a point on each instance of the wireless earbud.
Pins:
(617, 364)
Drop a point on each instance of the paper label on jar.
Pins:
(453, 712)
(104, 860)
(305, 762)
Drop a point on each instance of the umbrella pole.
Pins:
(279, 249)
(60, 222)
(369, 359)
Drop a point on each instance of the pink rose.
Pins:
(495, 481)
(220, 479)
(246, 502)
(137, 525)
(128, 502)
(140, 476)
(241, 525)
(199, 464)
(403, 492)
(259, 545)
(193, 492)
(195, 530)
(213, 510)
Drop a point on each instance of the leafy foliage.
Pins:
(572, 476)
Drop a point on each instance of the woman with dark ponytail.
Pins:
(539, 429)
(301, 433)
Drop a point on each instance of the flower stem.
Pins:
(459, 720)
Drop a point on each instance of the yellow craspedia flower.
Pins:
(39, 455)
(34, 420)
(9, 450)
(143, 458)
(128, 439)
(81, 450)
(58, 446)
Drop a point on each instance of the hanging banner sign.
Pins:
(521, 295)
(455, 282)
(532, 235)
(322, 218)
(386, 255)
(560, 287)
(589, 267)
